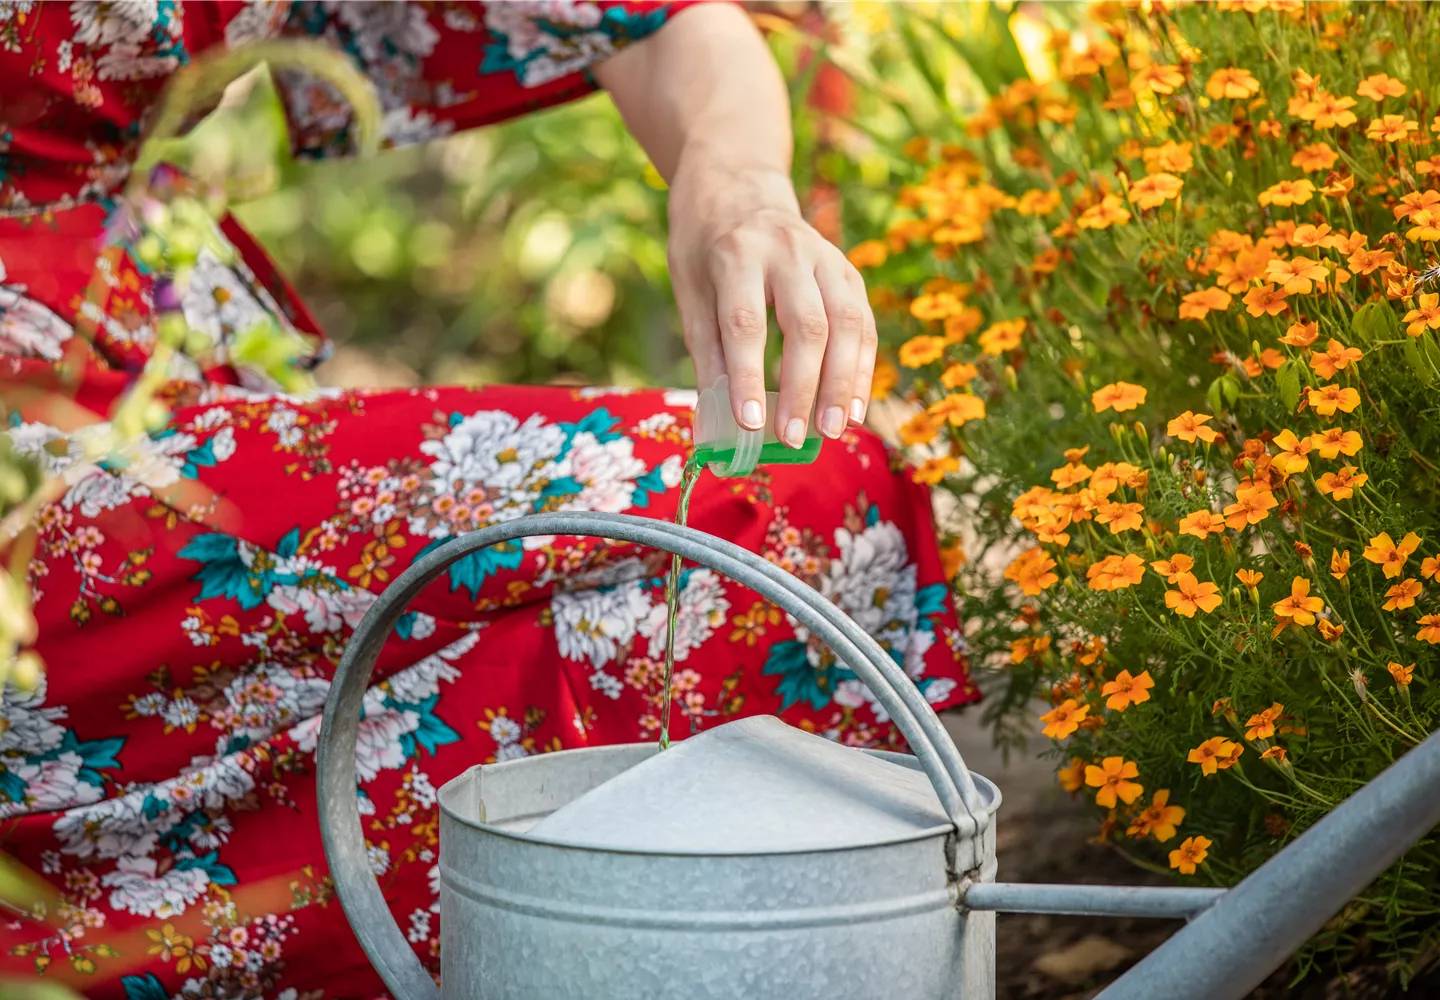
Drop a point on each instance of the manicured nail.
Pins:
(857, 410)
(832, 422)
(795, 432)
(752, 415)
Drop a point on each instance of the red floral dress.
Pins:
(195, 596)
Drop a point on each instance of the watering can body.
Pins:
(751, 860)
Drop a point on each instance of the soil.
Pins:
(1044, 836)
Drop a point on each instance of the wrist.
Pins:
(723, 175)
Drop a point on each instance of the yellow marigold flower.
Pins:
(1125, 690)
(1343, 484)
(1314, 157)
(871, 253)
(1072, 776)
(1003, 336)
(1024, 648)
(917, 352)
(1292, 453)
(1171, 568)
(1159, 78)
(936, 306)
(1112, 778)
(1191, 595)
(1064, 719)
(959, 374)
(1159, 819)
(958, 408)
(1110, 212)
(1301, 334)
(1198, 305)
(922, 428)
(1339, 563)
(1038, 202)
(1070, 474)
(1390, 557)
(1202, 524)
(1329, 398)
(1262, 724)
(1391, 128)
(885, 379)
(1299, 607)
(1402, 595)
(1266, 300)
(1233, 83)
(1154, 190)
(1402, 674)
(1119, 396)
(1115, 572)
(1326, 110)
(962, 324)
(1429, 629)
(1168, 158)
(1286, 193)
(1249, 577)
(1252, 505)
(1336, 358)
(1031, 571)
(1378, 86)
(1215, 754)
(1274, 753)
(1425, 316)
(1189, 426)
(1192, 852)
(1296, 275)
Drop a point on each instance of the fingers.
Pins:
(849, 316)
(739, 282)
(800, 311)
(701, 331)
(865, 372)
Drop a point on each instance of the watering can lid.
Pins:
(753, 786)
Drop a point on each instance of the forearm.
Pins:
(704, 88)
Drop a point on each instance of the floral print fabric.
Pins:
(196, 594)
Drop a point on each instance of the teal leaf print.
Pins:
(431, 734)
(799, 681)
(289, 545)
(223, 573)
(146, 987)
(651, 482)
(472, 571)
(219, 874)
(930, 604)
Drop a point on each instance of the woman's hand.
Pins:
(738, 245)
(707, 102)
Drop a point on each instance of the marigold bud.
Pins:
(1141, 432)
(1011, 382)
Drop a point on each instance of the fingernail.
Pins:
(752, 415)
(857, 410)
(832, 422)
(795, 432)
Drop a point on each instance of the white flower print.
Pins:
(701, 610)
(378, 857)
(327, 605)
(544, 55)
(504, 729)
(137, 888)
(28, 328)
(219, 302)
(591, 625)
(419, 927)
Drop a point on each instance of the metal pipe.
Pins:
(1229, 949)
(1164, 902)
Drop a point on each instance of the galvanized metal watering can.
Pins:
(757, 861)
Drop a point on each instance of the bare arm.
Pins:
(706, 100)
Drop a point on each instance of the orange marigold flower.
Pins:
(1343, 484)
(1119, 396)
(1249, 577)
(1296, 275)
(1402, 595)
(1045, 262)
(871, 253)
(1274, 753)
(1190, 425)
(1233, 83)
(1109, 475)
(1299, 607)
(1070, 474)
(1266, 300)
(936, 305)
(1429, 165)
(922, 428)
(1390, 557)
(962, 324)
(1202, 524)
(1336, 358)
(1171, 568)
(1110, 212)
(1309, 236)
(1064, 719)
(1429, 566)
(1429, 629)
(1198, 305)
(1038, 202)
(1168, 158)
(1301, 334)
(1193, 851)
(1391, 128)
(1329, 398)
(1112, 778)
(1154, 190)
(1159, 78)
(1364, 261)
(1002, 336)
(1215, 754)
(1339, 563)
(917, 352)
(1292, 453)
(1115, 572)
(1314, 157)
(1031, 571)
(1378, 86)
(1159, 819)
(933, 470)
(1125, 690)
(1120, 516)
(1192, 596)
(958, 408)
(1072, 776)
(959, 374)
(1326, 110)
(1402, 674)
(1262, 724)
(1252, 505)
(1023, 648)
(1425, 316)
(1286, 193)
(885, 379)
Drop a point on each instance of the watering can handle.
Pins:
(341, 830)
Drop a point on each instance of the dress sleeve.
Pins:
(442, 67)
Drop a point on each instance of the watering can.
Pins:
(754, 860)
